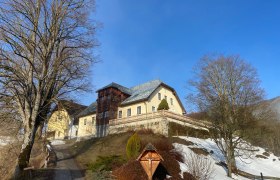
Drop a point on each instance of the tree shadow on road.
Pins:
(56, 174)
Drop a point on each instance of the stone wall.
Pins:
(157, 122)
(157, 125)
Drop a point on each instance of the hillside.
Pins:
(258, 161)
(274, 106)
(105, 158)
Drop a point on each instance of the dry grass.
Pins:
(8, 158)
(170, 166)
(200, 151)
(87, 152)
(9, 154)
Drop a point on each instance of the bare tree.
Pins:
(227, 88)
(45, 52)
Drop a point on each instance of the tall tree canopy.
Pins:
(45, 52)
(227, 89)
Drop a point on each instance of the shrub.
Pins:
(200, 167)
(163, 105)
(133, 146)
(169, 166)
(106, 163)
(175, 129)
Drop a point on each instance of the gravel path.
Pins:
(66, 167)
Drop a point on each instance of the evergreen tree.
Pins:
(133, 146)
(163, 105)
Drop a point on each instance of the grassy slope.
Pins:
(86, 152)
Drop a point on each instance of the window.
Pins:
(85, 121)
(120, 114)
(171, 101)
(139, 110)
(159, 96)
(100, 115)
(153, 109)
(165, 97)
(59, 116)
(106, 114)
(128, 112)
(93, 120)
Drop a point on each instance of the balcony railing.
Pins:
(158, 114)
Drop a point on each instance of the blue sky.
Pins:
(164, 39)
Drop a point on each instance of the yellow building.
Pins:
(87, 121)
(146, 98)
(63, 122)
(118, 103)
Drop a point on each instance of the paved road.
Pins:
(66, 167)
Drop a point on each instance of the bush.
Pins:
(169, 166)
(200, 167)
(175, 129)
(106, 163)
(163, 105)
(133, 146)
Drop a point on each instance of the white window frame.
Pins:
(138, 110)
(120, 114)
(93, 120)
(128, 114)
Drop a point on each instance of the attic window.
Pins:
(159, 96)
(85, 121)
(171, 101)
(128, 112)
(59, 117)
(120, 114)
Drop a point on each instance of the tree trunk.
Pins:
(40, 130)
(24, 156)
(233, 162)
(229, 166)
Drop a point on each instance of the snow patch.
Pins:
(269, 166)
(57, 142)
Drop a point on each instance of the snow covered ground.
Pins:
(268, 165)
(57, 142)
